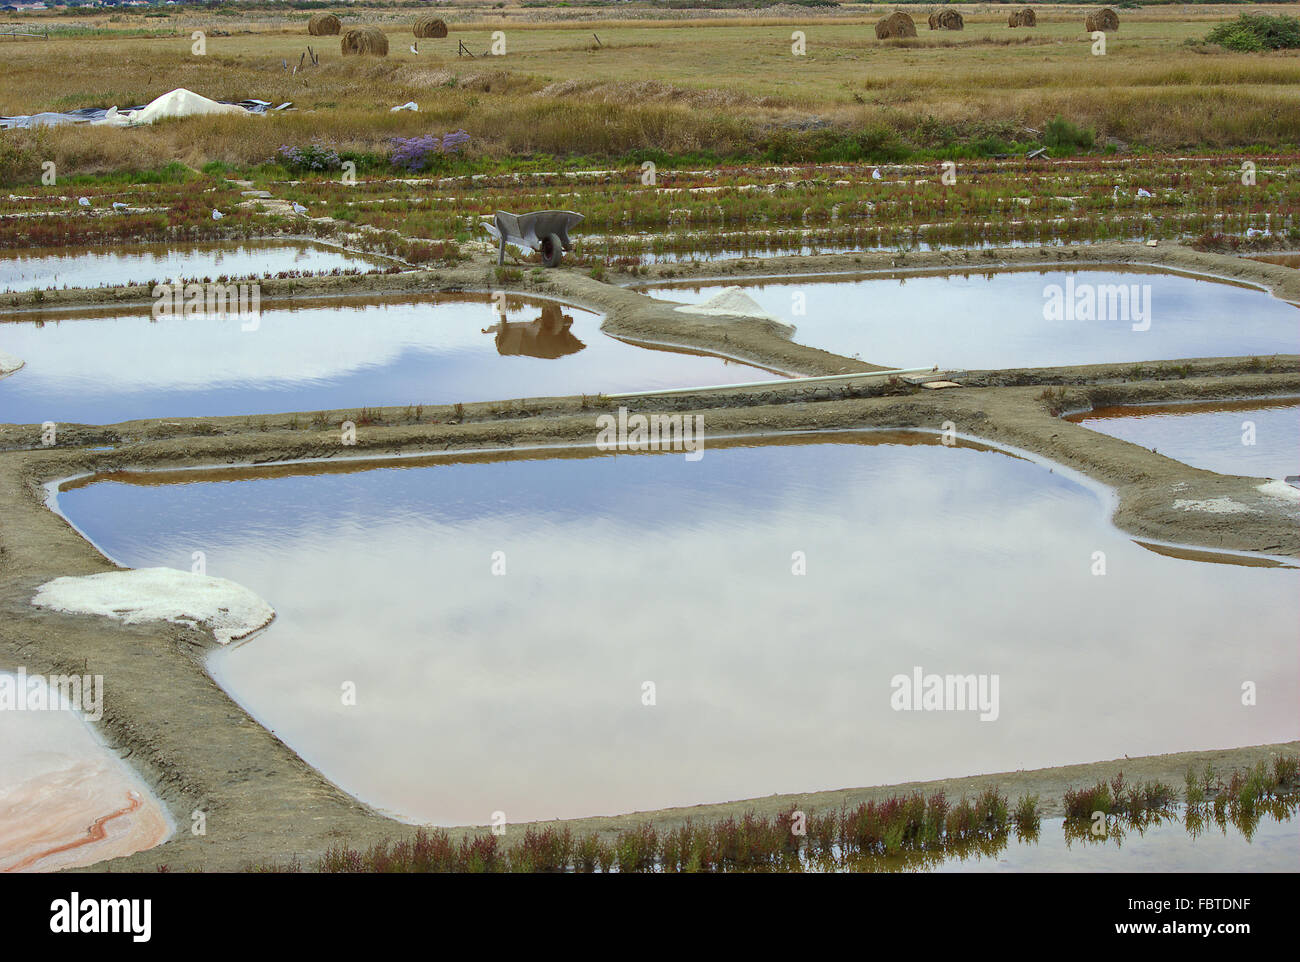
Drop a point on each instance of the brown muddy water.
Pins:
(66, 799)
(557, 634)
(1259, 439)
(1018, 318)
(41, 268)
(325, 354)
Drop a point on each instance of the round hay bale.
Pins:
(897, 24)
(947, 20)
(324, 25)
(1104, 20)
(430, 27)
(1023, 18)
(365, 40)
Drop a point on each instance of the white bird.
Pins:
(118, 205)
(217, 215)
(83, 201)
(298, 208)
(415, 47)
(875, 174)
(1143, 192)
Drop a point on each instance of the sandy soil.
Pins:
(200, 751)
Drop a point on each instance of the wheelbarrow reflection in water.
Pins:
(546, 336)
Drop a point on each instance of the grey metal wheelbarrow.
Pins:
(544, 231)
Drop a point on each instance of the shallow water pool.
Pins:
(1020, 318)
(326, 354)
(1258, 439)
(561, 636)
(1161, 844)
(66, 799)
(58, 267)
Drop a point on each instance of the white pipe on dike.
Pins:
(776, 383)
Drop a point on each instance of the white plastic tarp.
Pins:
(175, 103)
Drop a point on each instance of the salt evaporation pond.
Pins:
(522, 692)
(1264, 840)
(1258, 439)
(997, 320)
(1162, 845)
(326, 354)
(66, 799)
(40, 268)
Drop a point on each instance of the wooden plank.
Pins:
(931, 376)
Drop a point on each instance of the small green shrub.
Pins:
(1061, 136)
(1026, 817)
(1252, 32)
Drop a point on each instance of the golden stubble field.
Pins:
(600, 87)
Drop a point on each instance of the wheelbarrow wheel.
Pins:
(552, 250)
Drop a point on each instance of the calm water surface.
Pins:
(66, 798)
(326, 354)
(58, 267)
(1161, 845)
(1252, 438)
(981, 321)
(480, 691)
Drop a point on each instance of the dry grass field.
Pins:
(604, 88)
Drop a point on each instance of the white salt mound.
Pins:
(729, 302)
(9, 363)
(160, 594)
(1279, 489)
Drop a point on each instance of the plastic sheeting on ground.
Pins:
(175, 103)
